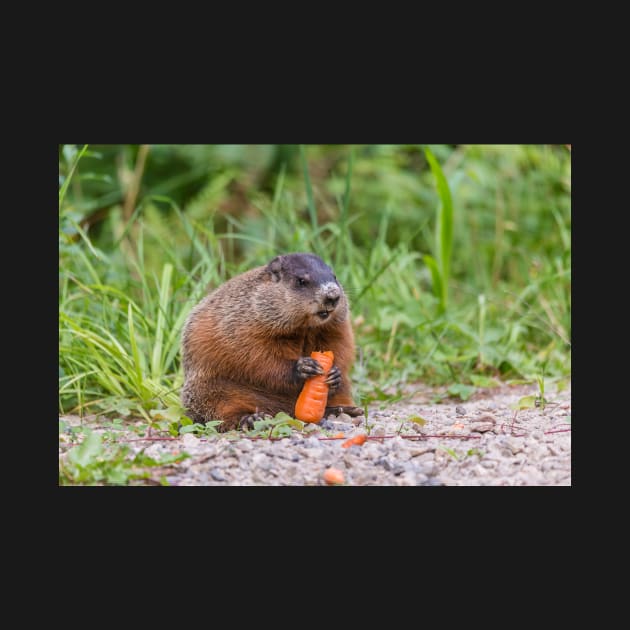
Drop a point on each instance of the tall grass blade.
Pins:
(309, 189)
(165, 285)
(444, 225)
(66, 183)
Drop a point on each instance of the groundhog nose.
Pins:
(331, 301)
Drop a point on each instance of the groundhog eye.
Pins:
(302, 282)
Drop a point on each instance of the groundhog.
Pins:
(246, 346)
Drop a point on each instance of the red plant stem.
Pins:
(369, 437)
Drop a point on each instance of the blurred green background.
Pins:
(456, 258)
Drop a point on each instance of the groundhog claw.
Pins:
(247, 422)
(333, 380)
(305, 367)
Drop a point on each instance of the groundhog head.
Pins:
(310, 286)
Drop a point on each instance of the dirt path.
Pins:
(483, 441)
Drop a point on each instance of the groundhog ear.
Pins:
(275, 268)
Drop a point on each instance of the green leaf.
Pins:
(450, 451)
(134, 346)
(87, 451)
(479, 380)
(118, 475)
(444, 224)
(172, 414)
(282, 430)
(463, 391)
(191, 428)
(474, 451)
(418, 420)
(281, 416)
(527, 402)
(436, 277)
(165, 286)
(261, 425)
(562, 384)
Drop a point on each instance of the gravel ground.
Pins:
(480, 442)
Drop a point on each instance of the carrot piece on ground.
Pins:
(333, 476)
(357, 439)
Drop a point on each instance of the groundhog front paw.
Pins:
(247, 422)
(333, 380)
(305, 367)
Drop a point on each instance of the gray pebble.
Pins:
(426, 458)
(482, 427)
(312, 429)
(217, 475)
(311, 442)
(515, 444)
(432, 481)
(460, 411)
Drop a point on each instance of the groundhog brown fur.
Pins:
(246, 346)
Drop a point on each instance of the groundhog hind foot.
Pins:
(247, 422)
(339, 409)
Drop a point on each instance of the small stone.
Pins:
(515, 445)
(311, 442)
(378, 431)
(216, 474)
(357, 421)
(427, 457)
(482, 427)
(420, 449)
(371, 450)
(408, 478)
(431, 481)
(486, 417)
(260, 460)
(315, 453)
(460, 411)
(190, 441)
(344, 417)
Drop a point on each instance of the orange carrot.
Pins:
(311, 402)
(357, 439)
(333, 476)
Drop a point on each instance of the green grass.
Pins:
(456, 259)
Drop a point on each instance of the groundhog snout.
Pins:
(330, 294)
